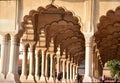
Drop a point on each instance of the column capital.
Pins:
(32, 43)
(88, 39)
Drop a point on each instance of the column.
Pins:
(12, 74)
(88, 56)
(2, 65)
(37, 64)
(46, 67)
(24, 63)
(63, 78)
(68, 72)
(73, 72)
(76, 68)
(58, 65)
(31, 64)
(42, 78)
(51, 67)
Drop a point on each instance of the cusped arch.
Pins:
(55, 22)
(108, 34)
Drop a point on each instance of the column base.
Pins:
(37, 77)
(2, 76)
(63, 81)
(68, 81)
(13, 78)
(30, 78)
(51, 79)
(87, 79)
(42, 78)
(23, 78)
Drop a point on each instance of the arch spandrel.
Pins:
(107, 36)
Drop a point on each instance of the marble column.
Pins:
(68, 72)
(63, 78)
(46, 66)
(31, 64)
(88, 56)
(42, 78)
(74, 72)
(3, 56)
(51, 68)
(76, 68)
(24, 63)
(37, 65)
(12, 74)
(58, 65)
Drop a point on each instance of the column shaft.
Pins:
(37, 64)
(31, 64)
(24, 64)
(63, 69)
(2, 65)
(88, 56)
(70, 71)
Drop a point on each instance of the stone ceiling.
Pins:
(108, 35)
(59, 26)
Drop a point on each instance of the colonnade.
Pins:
(9, 58)
(68, 69)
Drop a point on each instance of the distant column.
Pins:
(37, 64)
(68, 72)
(24, 63)
(51, 68)
(2, 65)
(42, 78)
(31, 64)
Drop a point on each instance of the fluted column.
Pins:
(37, 64)
(2, 65)
(42, 78)
(51, 67)
(12, 74)
(88, 57)
(24, 63)
(31, 64)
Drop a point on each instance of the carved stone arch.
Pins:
(108, 35)
(60, 21)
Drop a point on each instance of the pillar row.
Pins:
(12, 72)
